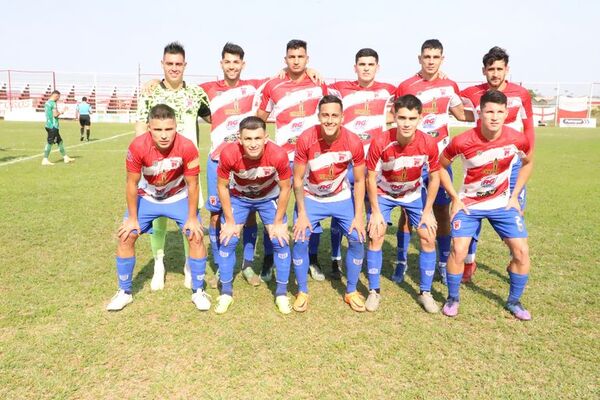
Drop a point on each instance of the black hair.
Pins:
(496, 53)
(161, 111)
(408, 101)
(493, 96)
(432, 44)
(252, 123)
(232, 48)
(366, 52)
(330, 99)
(84, 98)
(295, 44)
(174, 48)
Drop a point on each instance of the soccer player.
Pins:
(169, 163)
(52, 129)
(395, 164)
(84, 111)
(520, 117)
(189, 103)
(322, 156)
(254, 176)
(231, 100)
(488, 153)
(293, 102)
(365, 103)
(439, 97)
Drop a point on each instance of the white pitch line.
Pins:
(68, 147)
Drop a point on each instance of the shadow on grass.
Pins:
(10, 158)
(487, 293)
(492, 271)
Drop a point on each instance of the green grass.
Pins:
(57, 274)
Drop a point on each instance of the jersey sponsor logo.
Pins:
(430, 108)
(456, 224)
(489, 181)
(396, 188)
(297, 126)
(485, 193)
(493, 170)
(324, 188)
(231, 138)
(364, 136)
(360, 124)
(233, 124)
(330, 175)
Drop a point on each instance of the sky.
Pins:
(548, 41)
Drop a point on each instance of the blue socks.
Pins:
(213, 237)
(403, 239)
(197, 268)
(227, 265)
(517, 286)
(454, 285)
(300, 259)
(427, 269)
(125, 272)
(374, 261)
(336, 240)
(267, 243)
(354, 261)
(249, 240)
(313, 243)
(282, 266)
(443, 243)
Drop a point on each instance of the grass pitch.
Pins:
(57, 274)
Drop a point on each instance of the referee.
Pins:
(84, 110)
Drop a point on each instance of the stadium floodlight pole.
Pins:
(9, 92)
(589, 113)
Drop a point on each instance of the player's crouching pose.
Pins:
(253, 176)
(488, 153)
(395, 163)
(169, 163)
(323, 154)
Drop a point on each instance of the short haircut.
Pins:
(496, 53)
(252, 123)
(84, 98)
(493, 96)
(328, 99)
(432, 44)
(55, 92)
(174, 48)
(295, 44)
(161, 111)
(408, 101)
(366, 52)
(232, 48)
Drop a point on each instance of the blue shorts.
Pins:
(241, 208)
(213, 204)
(414, 210)
(442, 198)
(508, 224)
(149, 211)
(342, 210)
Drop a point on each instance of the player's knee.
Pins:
(376, 244)
(520, 252)
(127, 242)
(459, 249)
(427, 240)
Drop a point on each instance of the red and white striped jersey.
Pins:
(228, 106)
(520, 111)
(294, 107)
(399, 168)
(365, 108)
(437, 96)
(487, 166)
(254, 179)
(163, 173)
(327, 164)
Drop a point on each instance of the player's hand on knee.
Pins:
(429, 223)
(229, 230)
(376, 226)
(358, 224)
(279, 232)
(193, 229)
(128, 226)
(300, 227)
